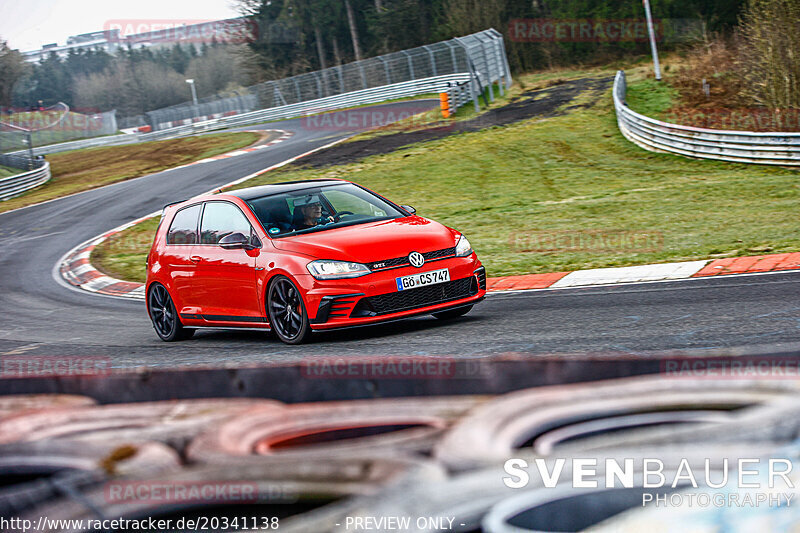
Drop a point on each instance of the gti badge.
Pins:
(416, 259)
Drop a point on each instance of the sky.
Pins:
(29, 24)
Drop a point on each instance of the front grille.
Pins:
(420, 297)
(400, 261)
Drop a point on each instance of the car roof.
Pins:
(278, 188)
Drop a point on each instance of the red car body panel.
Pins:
(216, 287)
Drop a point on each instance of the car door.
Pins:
(226, 279)
(182, 238)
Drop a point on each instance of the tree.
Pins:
(771, 52)
(215, 72)
(351, 21)
(12, 69)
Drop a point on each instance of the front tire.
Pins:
(164, 316)
(453, 313)
(287, 313)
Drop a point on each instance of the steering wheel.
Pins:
(338, 216)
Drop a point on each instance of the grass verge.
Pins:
(8, 171)
(569, 193)
(81, 170)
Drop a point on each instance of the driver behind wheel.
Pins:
(308, 213)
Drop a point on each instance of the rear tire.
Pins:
(164, 316)
(453, 313)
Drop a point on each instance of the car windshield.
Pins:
(319, 209)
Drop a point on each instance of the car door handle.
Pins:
(195, 259)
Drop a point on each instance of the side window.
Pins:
(184, 226)
(221, 219)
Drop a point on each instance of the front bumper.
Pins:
(374, 298)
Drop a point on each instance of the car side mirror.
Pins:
(409, 208)
(235, 241)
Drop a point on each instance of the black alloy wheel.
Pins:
(164, 316)
(287, 314)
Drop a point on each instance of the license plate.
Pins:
(422, 279)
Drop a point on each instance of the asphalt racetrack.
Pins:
(41, 316)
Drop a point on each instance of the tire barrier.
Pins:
(532, 422)
(315, 465)
(173, 422)
(402, 426)
(272, 490)
(34, 472)
(16, 404)
(777, 422)
(682, 516)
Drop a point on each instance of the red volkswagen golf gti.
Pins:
(303, 256)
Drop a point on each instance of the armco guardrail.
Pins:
(320, 105)
(475, 63)
(736, 146)
(481, 54)
(110, 140)
(19, 183)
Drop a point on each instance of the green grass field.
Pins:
(512, 188)
(8, 171)
(81, 170)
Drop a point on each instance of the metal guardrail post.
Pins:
(410, 64)
(474, 84)
(319, 85)
(433, 59)
(386, 69)
(297, 89)
(504, 55)
(453, 55)
(499, 61)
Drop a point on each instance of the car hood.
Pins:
(373, 241)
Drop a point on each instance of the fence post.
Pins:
(501, 71)
(363, 74)
(319, 85)
(433, 59)
(474, 84)
(279, 94)
(410, 65)
(453, 55)
(341, 80)
(386, 69)
(488, 68)
(297, 88)
(504, 55)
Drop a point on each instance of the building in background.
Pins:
(158, 33)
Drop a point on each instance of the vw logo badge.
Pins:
(416, 259)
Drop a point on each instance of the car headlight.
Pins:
(326, 269)
(463, 247)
